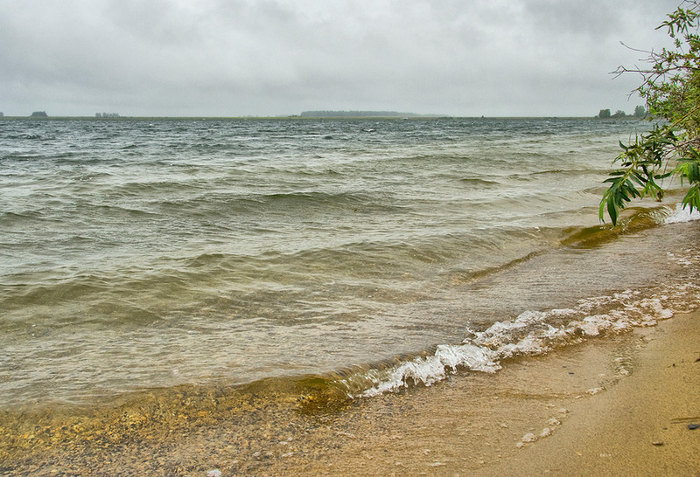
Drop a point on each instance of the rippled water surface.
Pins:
(150, 253)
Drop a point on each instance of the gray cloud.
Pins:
(240, 57)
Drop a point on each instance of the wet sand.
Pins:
(619, 405)
(646, 424)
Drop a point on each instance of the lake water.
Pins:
(152, 253)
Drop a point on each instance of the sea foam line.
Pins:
(535, 333)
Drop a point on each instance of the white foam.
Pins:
(682, 214)
(431, 369)
(536, 333)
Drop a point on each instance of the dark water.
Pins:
(151, 253)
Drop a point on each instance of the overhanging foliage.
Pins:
(671, 88)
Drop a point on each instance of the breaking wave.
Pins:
(535, 333)
(682, 214)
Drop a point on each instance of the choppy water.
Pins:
(152, 253)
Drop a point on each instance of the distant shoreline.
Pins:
(307, 118)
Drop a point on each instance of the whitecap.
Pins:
(682, 214)
(535, 333)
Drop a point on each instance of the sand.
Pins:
(617, 405)
(641, 425)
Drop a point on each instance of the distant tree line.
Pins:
(39, 114)
(106, 115)
(355, 114)
(640, 112)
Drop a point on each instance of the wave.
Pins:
(682, 214)
(305, 201)
(635, 220)
(400, 234)
(566, 172)
(532, 333)
(9, 217)
(392, 267)
(480, 182)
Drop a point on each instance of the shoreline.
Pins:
(643, 425)
(619, 405)
(616, 406)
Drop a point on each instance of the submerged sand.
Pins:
(618, 405)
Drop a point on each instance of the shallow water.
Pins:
(140, 254)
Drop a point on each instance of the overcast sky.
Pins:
(280, 57)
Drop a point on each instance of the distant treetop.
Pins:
(640, 112)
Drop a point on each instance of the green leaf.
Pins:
(671, 90)
(612, 210)
(692, 198)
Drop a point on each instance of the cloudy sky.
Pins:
(280, 57)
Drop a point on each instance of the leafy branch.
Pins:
(671, 87)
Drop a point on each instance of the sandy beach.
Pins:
(624, 406)
(619, 405)
(645, 424)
